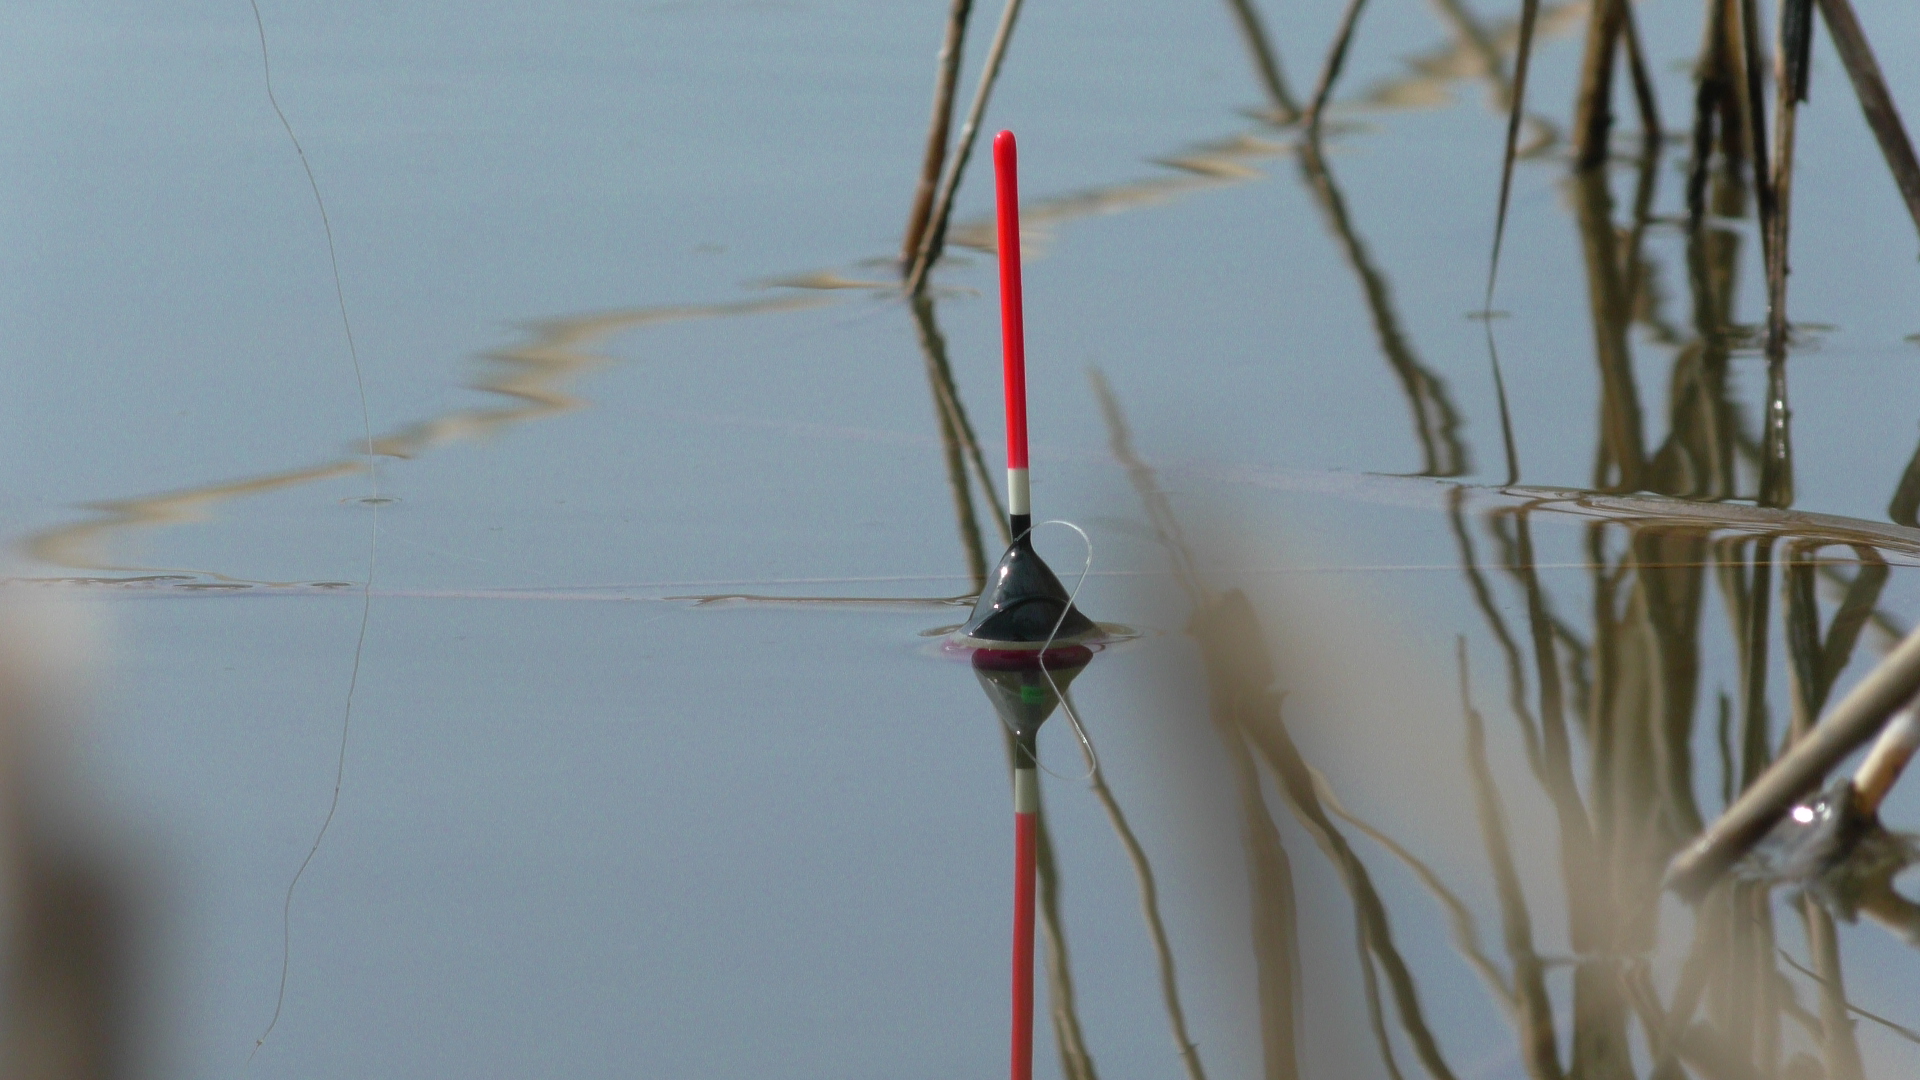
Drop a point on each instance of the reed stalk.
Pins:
(1849, 724)
(1269, 871)
(1753, 69)
(948, 68)
(1850, 41)
(1710, 90)
(935, 237)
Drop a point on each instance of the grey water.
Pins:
(629, 784)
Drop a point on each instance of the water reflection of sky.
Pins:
(605, 835)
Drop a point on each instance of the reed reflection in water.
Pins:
(1636, 685)
(1607, 705)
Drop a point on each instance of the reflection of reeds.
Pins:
(1156, 927)
(1269, 871)
(1245, 708)
(960, 445)
(1436, 422)
(1228, 630)
(1330, 69)
(1531, 1008)
(1626, 698)
(1266, 64)
(1610, 30)
(534, 377)
(1729, 113)
(1516, 109)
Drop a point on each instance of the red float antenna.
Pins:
(1013, 340)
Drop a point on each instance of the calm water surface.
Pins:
(589, 825)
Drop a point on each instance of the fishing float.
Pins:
(1023, 603)
(1025, 629)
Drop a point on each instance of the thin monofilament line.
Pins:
(1066, 706)
(333, 257)
(373, 537)
(333, 806)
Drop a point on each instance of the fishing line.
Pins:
(1066, 705)
(373, 537)
(333, 258)
(339, 777)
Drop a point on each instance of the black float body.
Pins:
(1023, 602)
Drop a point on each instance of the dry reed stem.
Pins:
(1871, 87)
(1734, 128)
(1791, 77)
(1850, 723)
(1752, 67)
(937, 129)
(1621, 429)
(936, 233)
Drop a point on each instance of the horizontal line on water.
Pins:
(649, 591)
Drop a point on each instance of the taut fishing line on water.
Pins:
(373, 540)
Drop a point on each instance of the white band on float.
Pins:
(1026, 790)
(1019, 501)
